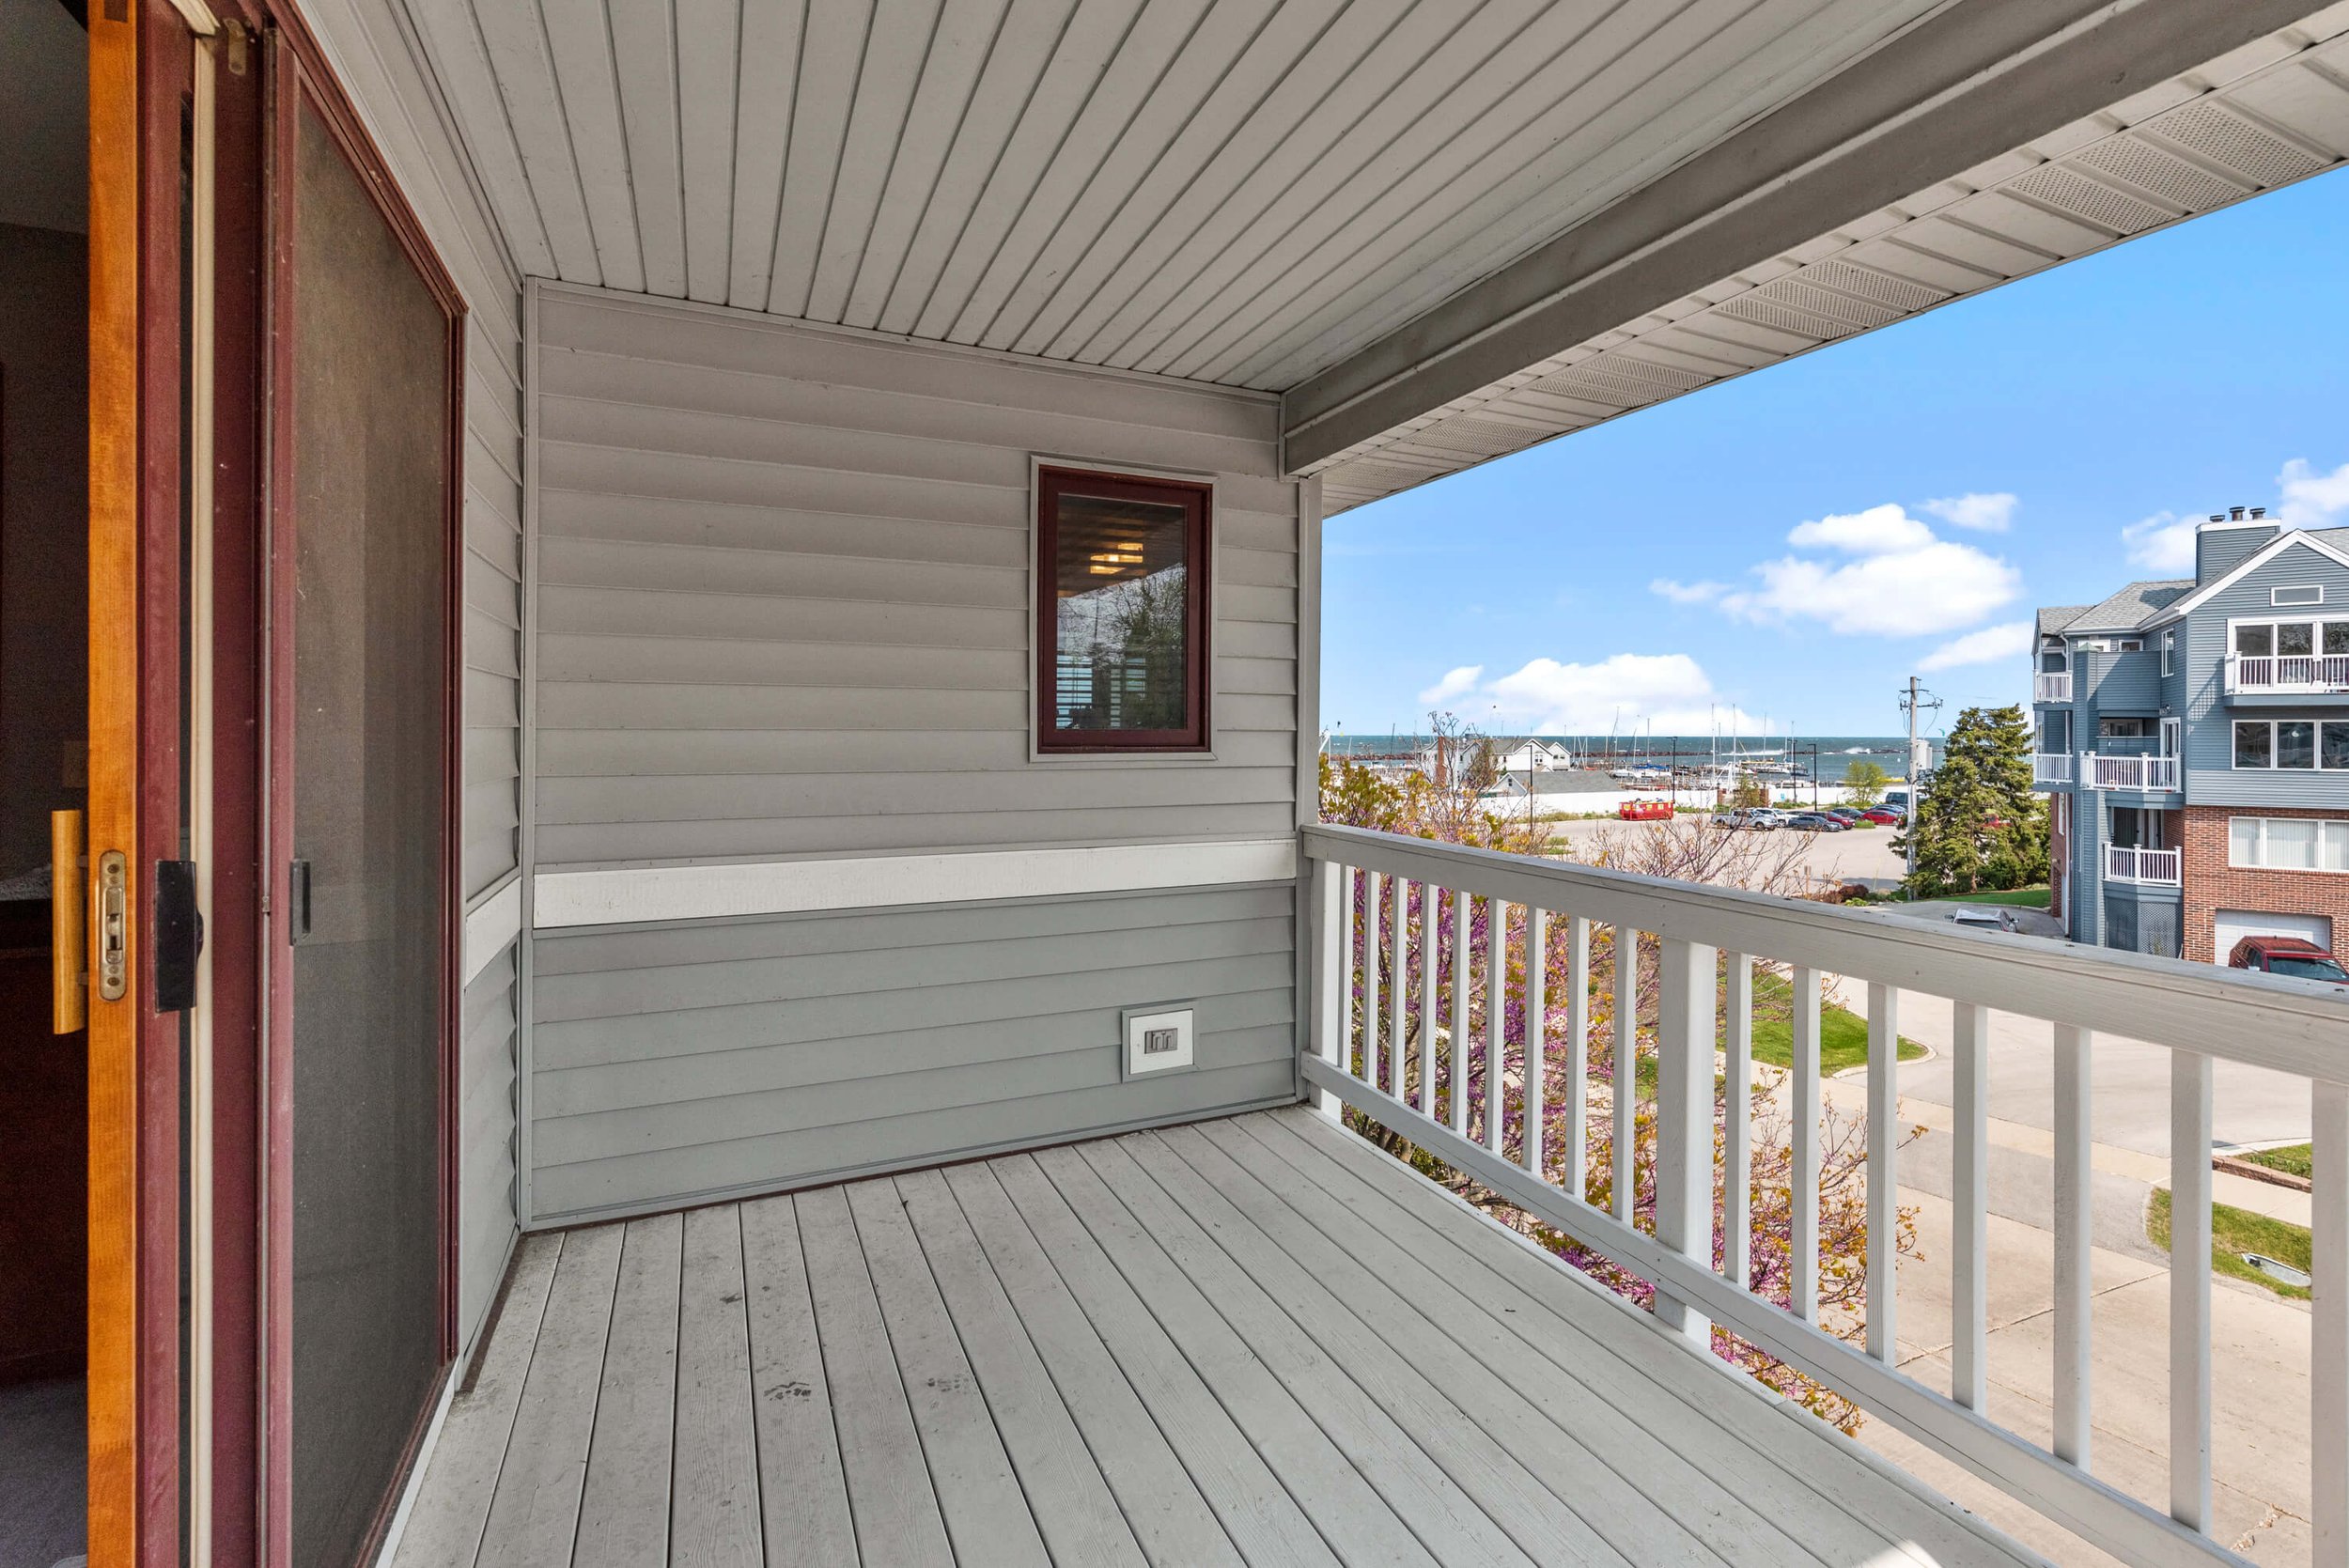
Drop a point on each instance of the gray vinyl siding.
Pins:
(372, 45)
(487, 1063)
(2211, 776)
(2120, 684)
(785, 600)
(684, 1062)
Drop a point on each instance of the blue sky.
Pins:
(1770, 543)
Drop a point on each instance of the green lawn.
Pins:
(2234, 1231)
(2292, 1159)
(1843, 1033)
(2016, 898)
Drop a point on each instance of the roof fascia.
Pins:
(1963, 85)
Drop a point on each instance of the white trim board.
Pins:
(491, 925)
(640, 894)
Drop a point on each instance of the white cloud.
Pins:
(1938, 588)
(2162, 544)
(1670, 692)
(1453, 683)
(2312, 499)
(1989, 512)
(2010, 640)
(1884, 530)
(1687, 593)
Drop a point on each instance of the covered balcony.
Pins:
(2052, 769)
(1264, 1338)
(2140, 772)
(2263, 676)
(2127, 864)
(2052, 686)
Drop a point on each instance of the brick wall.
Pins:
(2212, 884)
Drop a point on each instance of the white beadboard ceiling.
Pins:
(2269, 113)
(1233, 191)
(1308, 196)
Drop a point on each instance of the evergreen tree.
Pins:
(1976, 823)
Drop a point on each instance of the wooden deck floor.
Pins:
(1254, 1341)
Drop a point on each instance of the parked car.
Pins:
(1845, 813)
(2291, 956)
(1747, 816)
(1992, 918)
(1817, 822)
(1885, 816)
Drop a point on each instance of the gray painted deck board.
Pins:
(714, 1516)
(804, 1494)
(1256, 1340)
(625, 1517)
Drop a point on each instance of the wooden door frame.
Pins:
(298, 76)
(141, 56)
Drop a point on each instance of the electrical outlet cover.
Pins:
(1159, 1039)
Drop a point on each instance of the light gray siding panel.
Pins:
(674, 1062)
(487, 1068)
(784, 594)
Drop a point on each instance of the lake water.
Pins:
(1823, 758)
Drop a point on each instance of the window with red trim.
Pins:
(1121, 581)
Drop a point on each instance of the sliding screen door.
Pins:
(366, 537)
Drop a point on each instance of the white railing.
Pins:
(2125, 864)
(2052, 686)
(2288, 672)
(2051, 767)
(1413, 943)
(2103, 770)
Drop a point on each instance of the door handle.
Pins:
(69, 925)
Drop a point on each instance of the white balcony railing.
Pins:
(2051, 767)
(2052, 686)
(1515, 1108)
(2124, 865)
(2103, 770)
(2288, 672)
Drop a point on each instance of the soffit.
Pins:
(1241, 192)
(2267, 114)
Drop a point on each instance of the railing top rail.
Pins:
(2302, 1025)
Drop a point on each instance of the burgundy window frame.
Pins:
(1197, 501)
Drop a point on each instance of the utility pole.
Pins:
(1912, 701)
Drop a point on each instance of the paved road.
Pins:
(1865, 852)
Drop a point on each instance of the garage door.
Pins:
(2231, 926)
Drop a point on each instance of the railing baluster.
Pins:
(2073, 1200)
(2189, 1288)
(2328, 1358)
(1884, 1036)
(1400, 1000)
(1496, 1017)
(1463, 966)
(1577, 1058)
(1683, 1122)
(1970, 1202)
(1737, 1124)
(1536, 1026)
(1430, 942)
(1376, 882)
(1330, 998)
(1803, 1234)
(1627, 1086)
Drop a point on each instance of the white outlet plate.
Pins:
(1158, 1040)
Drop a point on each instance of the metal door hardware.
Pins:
(113, 925)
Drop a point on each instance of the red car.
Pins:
(2291, 956)
(1883, 817)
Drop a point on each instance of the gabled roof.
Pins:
(2332, 542)
(2055, 617)
(2132, 607)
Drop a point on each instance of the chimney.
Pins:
(2223, 543)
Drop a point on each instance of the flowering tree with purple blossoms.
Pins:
(1442, 800)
